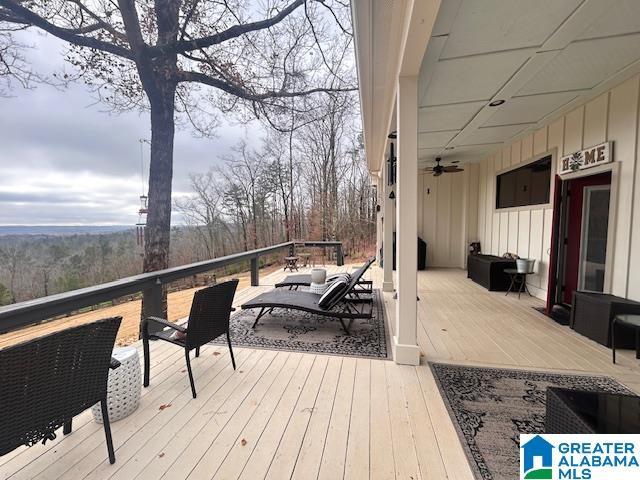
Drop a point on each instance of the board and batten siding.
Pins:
(447, 215)
(612, 116)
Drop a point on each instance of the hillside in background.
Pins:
(60, 230)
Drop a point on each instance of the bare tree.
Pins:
(202, 210)
(323, 146)
(13, 259)
(189, 58)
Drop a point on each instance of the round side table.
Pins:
(123, 389)
(291, 263)
(518, 280)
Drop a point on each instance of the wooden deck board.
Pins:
(307, 416)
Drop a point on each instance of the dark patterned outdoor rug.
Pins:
(490, 407)
(304, 332)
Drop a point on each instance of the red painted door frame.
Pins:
(573, 233)
(553, 254)
(574, 230)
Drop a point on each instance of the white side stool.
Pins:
(318, 288)
(123, 389)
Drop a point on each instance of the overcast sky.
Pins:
(64, 161)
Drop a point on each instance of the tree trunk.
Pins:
(156, 254)
(158, 228)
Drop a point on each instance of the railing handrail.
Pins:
(29, 312)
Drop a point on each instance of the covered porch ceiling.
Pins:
(541, 58)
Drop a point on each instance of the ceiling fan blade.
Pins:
(453, 169)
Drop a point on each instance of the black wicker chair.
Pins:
(208, 319)
(46, 381)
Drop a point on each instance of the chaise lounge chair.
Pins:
(293, 282)
(335, 302)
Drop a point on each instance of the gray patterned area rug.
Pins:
(491, 407)
(304, 332)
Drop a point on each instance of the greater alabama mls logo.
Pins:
(580, 457)
(536, 459)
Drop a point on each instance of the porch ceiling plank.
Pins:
(378, 32)
(543, 60)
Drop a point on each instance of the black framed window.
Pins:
(527, 185)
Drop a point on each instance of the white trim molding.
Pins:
(404, 354)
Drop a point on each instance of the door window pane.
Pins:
(593, 251)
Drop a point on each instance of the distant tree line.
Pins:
(310, 182)
(32, 266)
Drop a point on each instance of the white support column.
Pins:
(379, 214)
(387, 234)
(406, 350)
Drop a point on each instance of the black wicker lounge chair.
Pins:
(293, 282)
(46, 381)
(341, 307)
(208, 319)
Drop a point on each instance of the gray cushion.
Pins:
(335, 290)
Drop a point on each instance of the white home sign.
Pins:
(587, 158)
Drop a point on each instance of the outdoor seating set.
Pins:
(47, 381)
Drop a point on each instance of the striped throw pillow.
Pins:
(339, 276)
(333, 292)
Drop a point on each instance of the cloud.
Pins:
(64, 160)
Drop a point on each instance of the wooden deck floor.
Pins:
(292, 415)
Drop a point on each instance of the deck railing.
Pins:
(19, 315)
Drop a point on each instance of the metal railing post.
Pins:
(255, 271)
(153, 306)
(339, 257)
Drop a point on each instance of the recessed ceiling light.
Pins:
(496, 103)
(455, 161)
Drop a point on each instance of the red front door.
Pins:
(574, 229)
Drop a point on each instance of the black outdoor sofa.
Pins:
(47, 381)
(335, 303)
